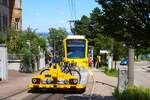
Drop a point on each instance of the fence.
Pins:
(15, 57)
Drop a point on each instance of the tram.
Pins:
(72, 74)
(76, 50)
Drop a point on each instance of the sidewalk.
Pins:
(104, 86)
(16, 82)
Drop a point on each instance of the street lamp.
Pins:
(55, 40)
(54, 48)
(29, 44)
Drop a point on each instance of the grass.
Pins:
(133, 93)
(112, 72)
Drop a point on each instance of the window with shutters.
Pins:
(17, 24)
(17, 4)
(1, 2)
(5, 21)
(5, 2)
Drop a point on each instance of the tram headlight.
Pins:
(35, 80)
(73, 81)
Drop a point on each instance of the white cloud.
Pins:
(62, 21)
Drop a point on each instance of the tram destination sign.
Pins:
(76, 43)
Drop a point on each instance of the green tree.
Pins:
(90, 27)
(126, 21)
(55, 39)
(35, 43)
(82, 27)
(2, 38)
(17, 43)
(12, 37)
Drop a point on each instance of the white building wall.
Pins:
(3, 62)
(42, 59)
(14, 65)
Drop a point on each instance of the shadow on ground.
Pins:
(76, 95)
(103, 83)
(86, 97)
(56, 91)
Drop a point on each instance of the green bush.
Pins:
(112, 72)
(133, 93)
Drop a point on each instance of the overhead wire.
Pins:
(75, 10)
(72, 9)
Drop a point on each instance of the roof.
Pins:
(75, 37)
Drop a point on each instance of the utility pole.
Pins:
(29, 44)
(72, 26)
(112, 51)
(54, 50)
(131, 66)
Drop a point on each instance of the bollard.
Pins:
(122, 78)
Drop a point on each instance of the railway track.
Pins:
(24, 95)
(45, 97)
(4, 98)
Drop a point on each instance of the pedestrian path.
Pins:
(104, 86)
(16, 82)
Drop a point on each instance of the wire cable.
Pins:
(72, 9)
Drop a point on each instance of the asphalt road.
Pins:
(141, 73)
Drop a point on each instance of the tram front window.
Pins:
(76, 49)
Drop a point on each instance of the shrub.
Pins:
(112, 72)
(133, 93)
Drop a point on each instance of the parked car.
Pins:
(148, 55)
(124, 61)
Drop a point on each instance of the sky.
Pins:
(45, 14)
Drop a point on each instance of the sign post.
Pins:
(123, 78)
